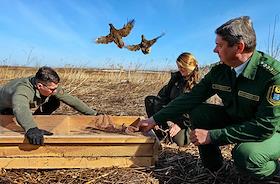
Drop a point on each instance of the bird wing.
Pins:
(127, 28)
(118, 41)
(133, 47)
(151, 42)
(104, 39)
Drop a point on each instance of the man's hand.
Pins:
(200, 137)
(146, 125)
(174, 129)
(36, 136)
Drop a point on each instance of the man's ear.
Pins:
(39, 85)
(240, 47)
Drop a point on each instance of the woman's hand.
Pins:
(174, 129)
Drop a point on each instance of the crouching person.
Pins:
(248, 82)
(37, 95)
(180, 82)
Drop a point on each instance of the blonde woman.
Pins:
(180, 82)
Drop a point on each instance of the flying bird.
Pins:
(145, 44)
(116, 35)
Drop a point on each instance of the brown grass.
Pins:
(123, 93)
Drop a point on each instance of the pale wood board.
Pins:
(76, 143)
(25, 150)
(73, 162)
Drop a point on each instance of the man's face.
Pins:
(226, 54)
(47, 89)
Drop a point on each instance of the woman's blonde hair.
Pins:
(187, 61)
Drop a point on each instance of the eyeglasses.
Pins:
(52, 90)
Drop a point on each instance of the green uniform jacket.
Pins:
(22, 96)
(252, 100)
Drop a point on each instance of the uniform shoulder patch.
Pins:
(273, 95)
(269, 66)
(60, 91)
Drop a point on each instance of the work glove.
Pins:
(36, 136)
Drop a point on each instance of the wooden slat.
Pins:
(75, 144)
(8, 126)
(73, 162)
(81, 139)
(77, 150)
(60, 124)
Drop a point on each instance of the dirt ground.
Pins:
(175, 165)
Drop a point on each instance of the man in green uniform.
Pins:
(37, 95)
(248, 82)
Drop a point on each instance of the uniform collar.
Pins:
(239, 69)
(251, 68)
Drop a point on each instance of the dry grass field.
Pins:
(123, 93)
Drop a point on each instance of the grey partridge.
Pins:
(116, 35)
(145, 44)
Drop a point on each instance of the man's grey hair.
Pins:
(238, 29)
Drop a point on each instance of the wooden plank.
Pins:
(8, 126)
(57, 124)
(81, 139)
(76, 144)
(74, 162)
(60, 124)
(119, 120)
(24, 150)
(50, 122)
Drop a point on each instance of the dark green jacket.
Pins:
(22, 96)
(175, 87)
(252, 100)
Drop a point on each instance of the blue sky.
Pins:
(60, 33)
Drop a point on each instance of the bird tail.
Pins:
(162, 34)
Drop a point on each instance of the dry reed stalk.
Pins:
(7, 73)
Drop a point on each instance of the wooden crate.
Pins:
(73, 146)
